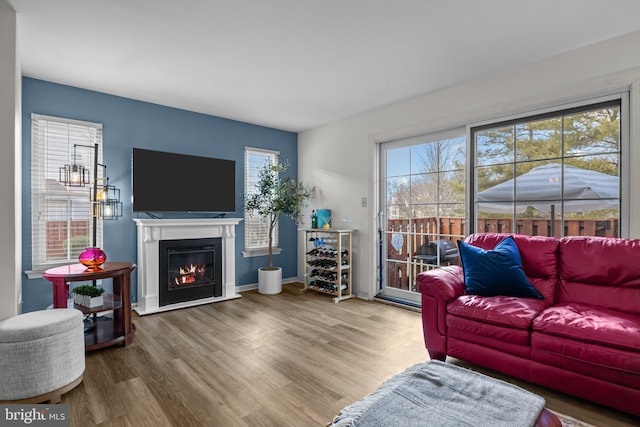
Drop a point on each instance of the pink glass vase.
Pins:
(92, 258)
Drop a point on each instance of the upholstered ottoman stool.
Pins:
(438, 394)
(41, 355)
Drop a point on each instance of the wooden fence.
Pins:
(538, 227)
(404, 238)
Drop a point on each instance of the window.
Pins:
(256, 231)
(552, 174)
(60, 216)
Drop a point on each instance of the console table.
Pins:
(108, 332)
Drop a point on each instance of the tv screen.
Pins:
(171, 182)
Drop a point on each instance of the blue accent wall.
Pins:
(129, 123)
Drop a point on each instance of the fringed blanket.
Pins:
(441, 395)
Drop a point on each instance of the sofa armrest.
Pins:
(446, 282)
(438, 288)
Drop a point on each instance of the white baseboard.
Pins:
(253, 286)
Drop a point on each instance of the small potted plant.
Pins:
(273, 197)
(88, 296)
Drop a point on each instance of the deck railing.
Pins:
(404, 238)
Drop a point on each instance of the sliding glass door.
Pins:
(422, 208)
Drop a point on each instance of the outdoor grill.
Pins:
(446, 249)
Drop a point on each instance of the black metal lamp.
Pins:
(105, 198)
(73, 175)
(110, 206)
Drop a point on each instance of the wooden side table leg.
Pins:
(121, 286)
(60, 293)
(126, 304)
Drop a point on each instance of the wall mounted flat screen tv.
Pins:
(172, 182)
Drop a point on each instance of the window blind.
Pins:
(256, 231)
(61, 216)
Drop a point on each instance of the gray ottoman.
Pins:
(41, 355)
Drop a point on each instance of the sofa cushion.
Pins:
(603, 362)
(510, 340)
(600, 271)
(511, 312)
(591, 324)
(600, 260)
(497, 271)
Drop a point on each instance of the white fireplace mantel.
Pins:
(152, 231)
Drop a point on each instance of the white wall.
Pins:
(10, 162)
(339, 158)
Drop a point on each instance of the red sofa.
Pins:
(583, 339)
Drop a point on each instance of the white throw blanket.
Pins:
(443, 395)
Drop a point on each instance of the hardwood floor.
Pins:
(287, 360)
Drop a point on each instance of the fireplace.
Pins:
(151, 232)
(190, 269)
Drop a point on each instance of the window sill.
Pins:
(37, 273)
(34, 274)
(260, 252)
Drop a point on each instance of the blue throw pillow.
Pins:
(495, 272)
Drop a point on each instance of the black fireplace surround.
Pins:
(190, 269)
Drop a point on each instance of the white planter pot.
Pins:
(270, 281)
(87, 301)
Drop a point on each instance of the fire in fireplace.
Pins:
(190, 269)
(190, 275)
(190, 265)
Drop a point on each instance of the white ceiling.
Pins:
(298, 64)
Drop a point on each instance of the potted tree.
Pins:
(275, 196)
